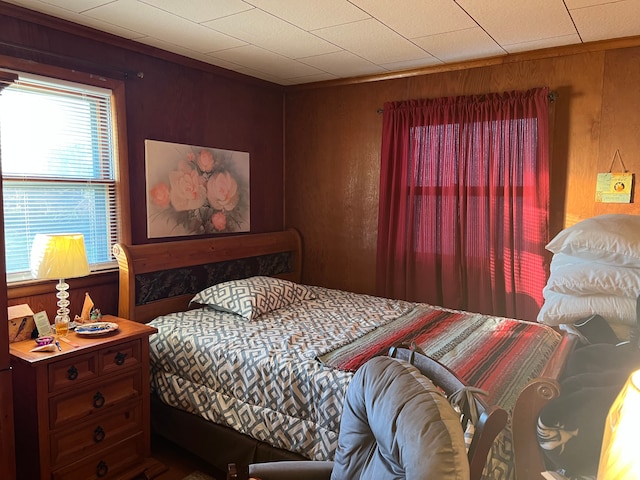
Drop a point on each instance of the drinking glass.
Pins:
(62, 325)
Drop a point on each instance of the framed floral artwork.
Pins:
(194, 190)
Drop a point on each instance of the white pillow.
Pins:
(559, 308)
(591, 278)
(612, 238)
(560, 260)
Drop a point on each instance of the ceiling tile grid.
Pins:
(299, 41)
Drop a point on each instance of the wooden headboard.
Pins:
(161, 278)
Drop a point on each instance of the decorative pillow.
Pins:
(254, 296)
(559, 308)
(592, 278)
(612, 238)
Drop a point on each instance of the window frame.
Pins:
(118, 105)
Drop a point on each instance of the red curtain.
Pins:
(464, 201)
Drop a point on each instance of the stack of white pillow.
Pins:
(595, 270)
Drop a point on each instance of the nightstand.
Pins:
(83, 412)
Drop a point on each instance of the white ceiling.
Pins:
(299, 41)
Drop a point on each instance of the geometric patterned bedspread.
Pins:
(264, 378)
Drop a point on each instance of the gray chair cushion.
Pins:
(397, 425)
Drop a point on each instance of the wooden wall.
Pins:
(333, 145)
(177, 100)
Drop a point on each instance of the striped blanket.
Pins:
(496, 354)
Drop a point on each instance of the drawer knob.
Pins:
(98, 400)
(120, 358)
(98, 434)
(72, 372)
(102, 469)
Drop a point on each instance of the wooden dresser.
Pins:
(83, 412)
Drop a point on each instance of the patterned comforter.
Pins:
(282, 377)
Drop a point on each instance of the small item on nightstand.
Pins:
(87, 307)
(42, 323)
(21, 324)
(44, 348)
(45, 340)
(95, 314)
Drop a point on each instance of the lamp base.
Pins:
(63, 303)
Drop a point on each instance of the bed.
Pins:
(162, 278)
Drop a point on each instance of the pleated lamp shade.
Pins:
(56, 256)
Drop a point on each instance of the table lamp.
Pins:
(619, 458)
(59, 256)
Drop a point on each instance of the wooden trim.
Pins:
(157, 257)
(529, 457)
(46, 287)
(123, 197)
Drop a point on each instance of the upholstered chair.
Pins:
(397, 423)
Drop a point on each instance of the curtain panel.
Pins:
(464, 201)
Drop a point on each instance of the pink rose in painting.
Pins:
(219, 221)
(222, 191)
(187, 190)
(161, 195)
(205, 161)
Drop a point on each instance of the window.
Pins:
(58, 168)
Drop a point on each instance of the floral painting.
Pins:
(195, 190)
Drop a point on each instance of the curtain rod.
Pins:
(95, 66)
(552, 96)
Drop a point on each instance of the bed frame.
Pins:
(161, 278)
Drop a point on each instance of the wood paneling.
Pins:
(103, 289)
(333, 137)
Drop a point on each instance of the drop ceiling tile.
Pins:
(411, 64)
(271, 33)
(373, 41)
(542, 43)
(311, 15)
(67, 11)
(258, 74)
(611, 20)
(264, 61)
(460, 45)
(200, 10)
(417, 18)
(77, 6)
(153, 22)
(343, 64)
(321, 77)
(169, 47)
(573, 4)
(509, 22)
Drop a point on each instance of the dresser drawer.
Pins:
(107, 464)
(85, 439)
(119, 357)
(94, 400)
(73, 371)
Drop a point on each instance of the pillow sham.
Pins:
(253, 296)
(611, 238)
(559, 308)
(591, 278)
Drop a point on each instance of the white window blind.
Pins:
(58, 174)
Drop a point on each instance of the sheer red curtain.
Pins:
(464, 201)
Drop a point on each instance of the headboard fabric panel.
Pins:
(160, 278)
